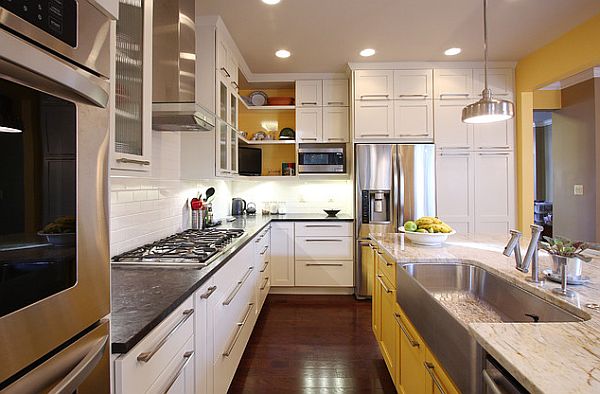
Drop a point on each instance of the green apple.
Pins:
(410, 226)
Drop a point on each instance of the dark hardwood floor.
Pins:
(313, 344)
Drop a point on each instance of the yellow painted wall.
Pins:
(572, 53)
(270, 121)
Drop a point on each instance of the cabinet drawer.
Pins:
(324, 273)
(178, 377)
(137, 370)
(324, 229)
(323, 248)
(386, 267)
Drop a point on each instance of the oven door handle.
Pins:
(26, 64)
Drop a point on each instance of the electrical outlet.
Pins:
(578, 190)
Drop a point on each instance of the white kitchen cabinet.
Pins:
(203, 335)
(262, 254)
(131, 133)
(155, 360)
(373, 119)
(413, 84)
(309, 124)
(323, 248)
(335, 124)
(309, 93)
(450, 131)
(324, 273)
(282, 254)
(226, 63)
(373, 84)
(500, 81)
(494, 136)
(413, 120)
(179, 375)
(451, 84)
(335, 93)
(494, 192)
(455, 190)
(323, 229)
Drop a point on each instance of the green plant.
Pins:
(560, 246)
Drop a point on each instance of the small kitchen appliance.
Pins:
(238, 206)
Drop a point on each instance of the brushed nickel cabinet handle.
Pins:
(226, 72)
(335, 102)
(431, 369)
(374, 95)
(309, 102)
(265, 284)
(494, 147)
(454, 94)
(238, 331)
(413, 95)
(146, 356)
(264, 267)
(413, 135)
(264, 250)
(238, 286)
(209, 292)
(375, 135)
(125, 160)
(324, 264)
(387, 289)
(322, 225)
(187, 356)
(323, 240)
(411, 340)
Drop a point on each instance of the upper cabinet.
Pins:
(453, 83)
(132, 133)
(335, 93)
(226, 64)
(413, 84)
(309, 93)
(373, 84)
(500, 81)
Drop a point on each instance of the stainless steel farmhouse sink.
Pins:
(442, 299)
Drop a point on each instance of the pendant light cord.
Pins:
(485, 52)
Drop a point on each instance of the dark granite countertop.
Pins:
(141, 297)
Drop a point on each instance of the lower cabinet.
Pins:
(282, 254)
(412, 366)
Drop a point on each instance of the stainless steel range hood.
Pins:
(174, 106)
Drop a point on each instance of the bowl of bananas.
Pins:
(428, 231)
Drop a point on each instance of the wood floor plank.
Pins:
(312, 344)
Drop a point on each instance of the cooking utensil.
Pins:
(209, 193)
(258, 98)
(331, 212)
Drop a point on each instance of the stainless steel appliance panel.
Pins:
(33, 331)
(416, 173)
(92, 49)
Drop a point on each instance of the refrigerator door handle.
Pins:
(398, 181)
(81, 371)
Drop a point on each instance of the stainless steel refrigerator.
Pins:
(394, 183)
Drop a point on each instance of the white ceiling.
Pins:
(324, 35)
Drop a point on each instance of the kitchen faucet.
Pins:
(531, 256)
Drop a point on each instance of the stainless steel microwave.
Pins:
(317, 160)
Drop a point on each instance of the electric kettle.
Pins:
(238, 206)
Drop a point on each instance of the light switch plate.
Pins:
(578, 190)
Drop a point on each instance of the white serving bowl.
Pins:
(428, 239)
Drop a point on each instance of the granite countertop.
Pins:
(141, 297)
(543, 357)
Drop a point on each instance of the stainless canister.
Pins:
(198, 219)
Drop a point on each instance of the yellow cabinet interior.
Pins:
(270, 121)
(412, 366)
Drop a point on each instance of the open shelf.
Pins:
(268, 107)
(266, 142)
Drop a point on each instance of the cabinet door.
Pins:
(282, 254)
(179, 376)
(374, 119)
(223, 99)
(376, 302)
(500, 81)
(309, 124)
(453, 83)
(222, 58)
(222, 136)
(454, 189)
(233, 71)
(233, 151)
(438, 382)
(309, 93)
(496, 136)
(413, 119)
(388, 340)
(335, 92)
(413, 84)
(494, 192)
(132, 130)
(203, 334)
(373, 84)
(450, 131)
(335, 124)
(412, 356)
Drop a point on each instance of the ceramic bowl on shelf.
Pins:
(427, 239)
(258, 98)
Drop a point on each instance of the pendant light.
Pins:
(487, 109)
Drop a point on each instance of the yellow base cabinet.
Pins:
(438, 382)
(388, 340)
(411, 377)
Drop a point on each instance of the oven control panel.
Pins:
(55, 17)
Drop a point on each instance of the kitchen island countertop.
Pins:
(543, 357)
(142, 296)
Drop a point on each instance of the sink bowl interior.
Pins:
(474, 295)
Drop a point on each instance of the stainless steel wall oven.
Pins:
(54, 138)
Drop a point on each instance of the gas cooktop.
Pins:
(188, 248)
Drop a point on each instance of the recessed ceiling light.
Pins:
(452, 51)
(271, 2)
(367, 52)
(282, 53)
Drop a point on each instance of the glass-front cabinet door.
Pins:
(132, 137)
(222, 148)
(233, 148)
